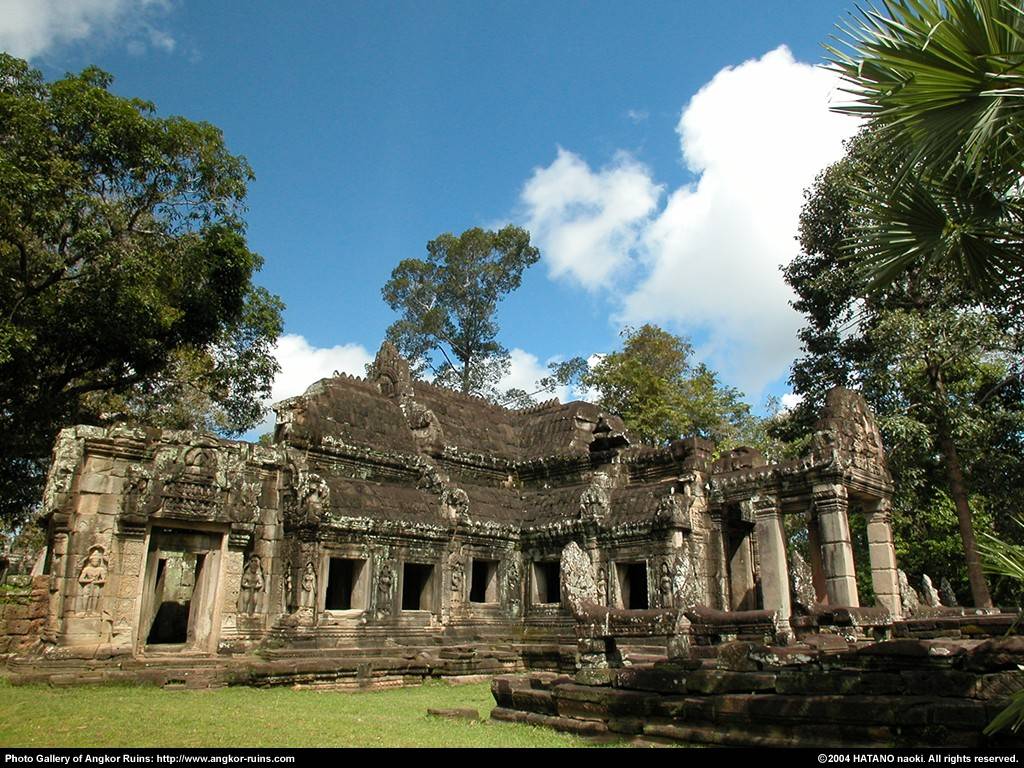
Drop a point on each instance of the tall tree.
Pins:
(448, 305)
(123, 267)
(942, 85)
(654, 385)
(936, 366)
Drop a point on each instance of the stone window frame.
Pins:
(494, 582)
(534, 594)
(434, 583)
(363, 583)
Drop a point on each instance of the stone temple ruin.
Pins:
(394, 530)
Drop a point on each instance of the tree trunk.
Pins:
(957, 490)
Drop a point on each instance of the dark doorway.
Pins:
(633, 591)
(546, 581)
(344, 585)
(180, 590)
(417, 587)
(176, 576)
(483, 587)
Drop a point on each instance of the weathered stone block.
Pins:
(18, 626)
(939, 683)
(651, 679)
(852, 683)
(709, 681)
(530, 700)
(98, 482)
(15, 611)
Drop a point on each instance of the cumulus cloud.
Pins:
(708, 259)
(586, 222)
(31, 28)
(303, 364)
(525, 370)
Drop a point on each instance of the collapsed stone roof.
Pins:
(390, 411)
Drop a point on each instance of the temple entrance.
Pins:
(182, 570)
(740, 565)
(633, 589)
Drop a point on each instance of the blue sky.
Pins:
(657, 152)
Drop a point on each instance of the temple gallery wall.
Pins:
(395, 530)
(389, 508)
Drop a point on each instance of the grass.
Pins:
(124, 716)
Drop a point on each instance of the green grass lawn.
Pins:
(123, 716)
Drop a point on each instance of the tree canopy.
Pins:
(448, 305)
(654, 385)
(938, 368)
(942, 85)
(125, 278)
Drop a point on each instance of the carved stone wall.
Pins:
(379, 487)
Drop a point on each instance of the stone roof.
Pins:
(380, 414)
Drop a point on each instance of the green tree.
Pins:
(125, 279)
(448, 303)
(937, 368)
(654, 385)
(942, 85)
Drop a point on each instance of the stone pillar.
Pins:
(718, 588)
(58, 584)
(741, 571)
(882, 554)
(814, 550)
(831, 504)
(771, 540)
(129, 587)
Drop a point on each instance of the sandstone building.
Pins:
(388, 510)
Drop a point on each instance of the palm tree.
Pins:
(941, 83)
(1006, 560)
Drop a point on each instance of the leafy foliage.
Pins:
(448, 304)
(660, 393)
(125, 279)
(942, 83)
(1005, 560)
(939, 368)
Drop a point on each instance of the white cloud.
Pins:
(789, 401)
(525, 370)
(755, 137)
(303, 364)
(31, 28)
(587, 222)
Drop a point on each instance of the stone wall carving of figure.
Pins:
(91, 579)
(252, 585)
(289, 596)
(248, 507)
(454, 504)
(602, 586)
(595, 503)
(136, 488)
(665, 585)
(314, 498)
(308, 586)
(513, 584)
(385, 582)
(458, 575)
